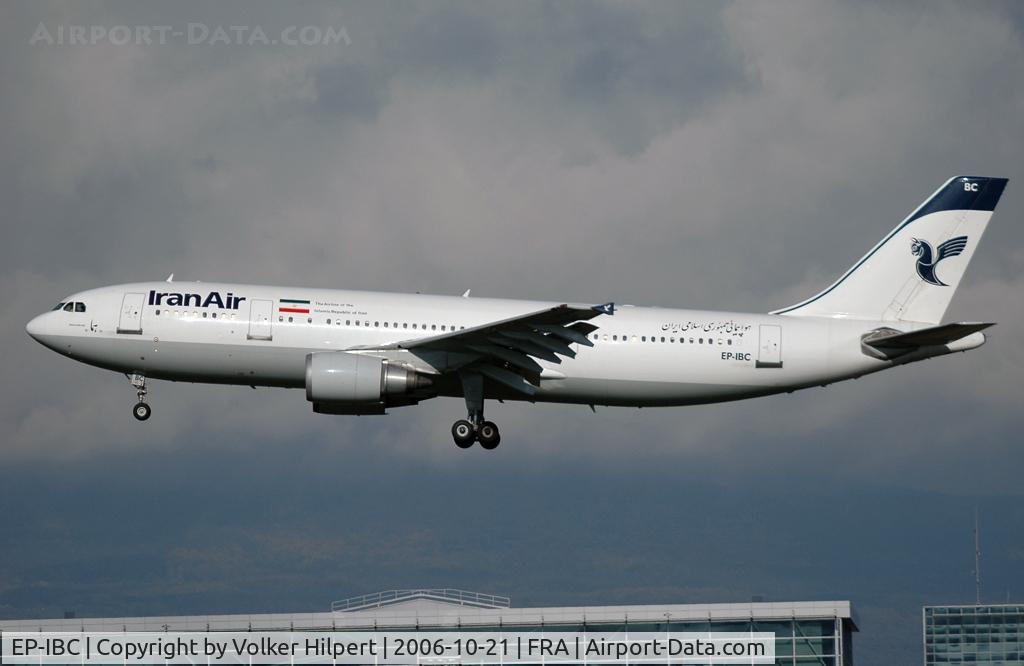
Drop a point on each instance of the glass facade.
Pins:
(801, 642)
(981, 635)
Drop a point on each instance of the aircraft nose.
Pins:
(37, 328)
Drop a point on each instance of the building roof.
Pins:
(413, 609)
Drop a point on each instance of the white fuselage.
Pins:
(260, 336)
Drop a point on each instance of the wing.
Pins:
(952, 247)
(507, 350)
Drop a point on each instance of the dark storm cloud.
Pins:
(735, 155)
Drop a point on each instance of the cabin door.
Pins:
(260, 314)
(131, 314)
(769, 347)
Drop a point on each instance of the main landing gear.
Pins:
(474, 428)
(141, 410)
(465, 433)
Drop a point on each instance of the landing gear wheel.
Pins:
(463, 434)
(141, 411)
(488, 435)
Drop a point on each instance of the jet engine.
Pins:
(346, 383)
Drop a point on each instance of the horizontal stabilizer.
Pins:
(887, 338)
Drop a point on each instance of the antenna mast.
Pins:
(977, 560)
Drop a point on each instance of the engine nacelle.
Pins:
(345, 383)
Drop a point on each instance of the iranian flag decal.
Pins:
(294, 305)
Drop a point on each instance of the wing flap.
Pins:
(510, 356)
(553, 344)
(507, 378)
(526, 347)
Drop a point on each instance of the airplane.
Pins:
(358, 352)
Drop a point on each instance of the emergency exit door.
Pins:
(131, 314)
(260, 313)
(769, 348)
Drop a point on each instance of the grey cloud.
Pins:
(754, 198)
(348, 90)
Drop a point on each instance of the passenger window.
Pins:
(328, 322)
(433, 327)
(69, 307)
(309, 320)
(79, 307)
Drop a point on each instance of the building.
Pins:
(807, 633)
(980, 635)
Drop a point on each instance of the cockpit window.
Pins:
(69, 307)
(58, 306)
(79, 307)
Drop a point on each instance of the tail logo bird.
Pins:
(927, 260)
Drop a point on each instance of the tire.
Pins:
(141, 411)
(488, 435)
(463, 434)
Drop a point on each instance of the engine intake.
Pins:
(346, 378)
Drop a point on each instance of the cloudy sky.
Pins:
(714, 155)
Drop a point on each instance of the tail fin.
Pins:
(912, 273)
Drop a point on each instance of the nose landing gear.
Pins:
(474, 428)
(141, 410)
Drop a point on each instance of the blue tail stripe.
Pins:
(964, 193)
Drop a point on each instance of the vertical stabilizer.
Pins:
(912, 274)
